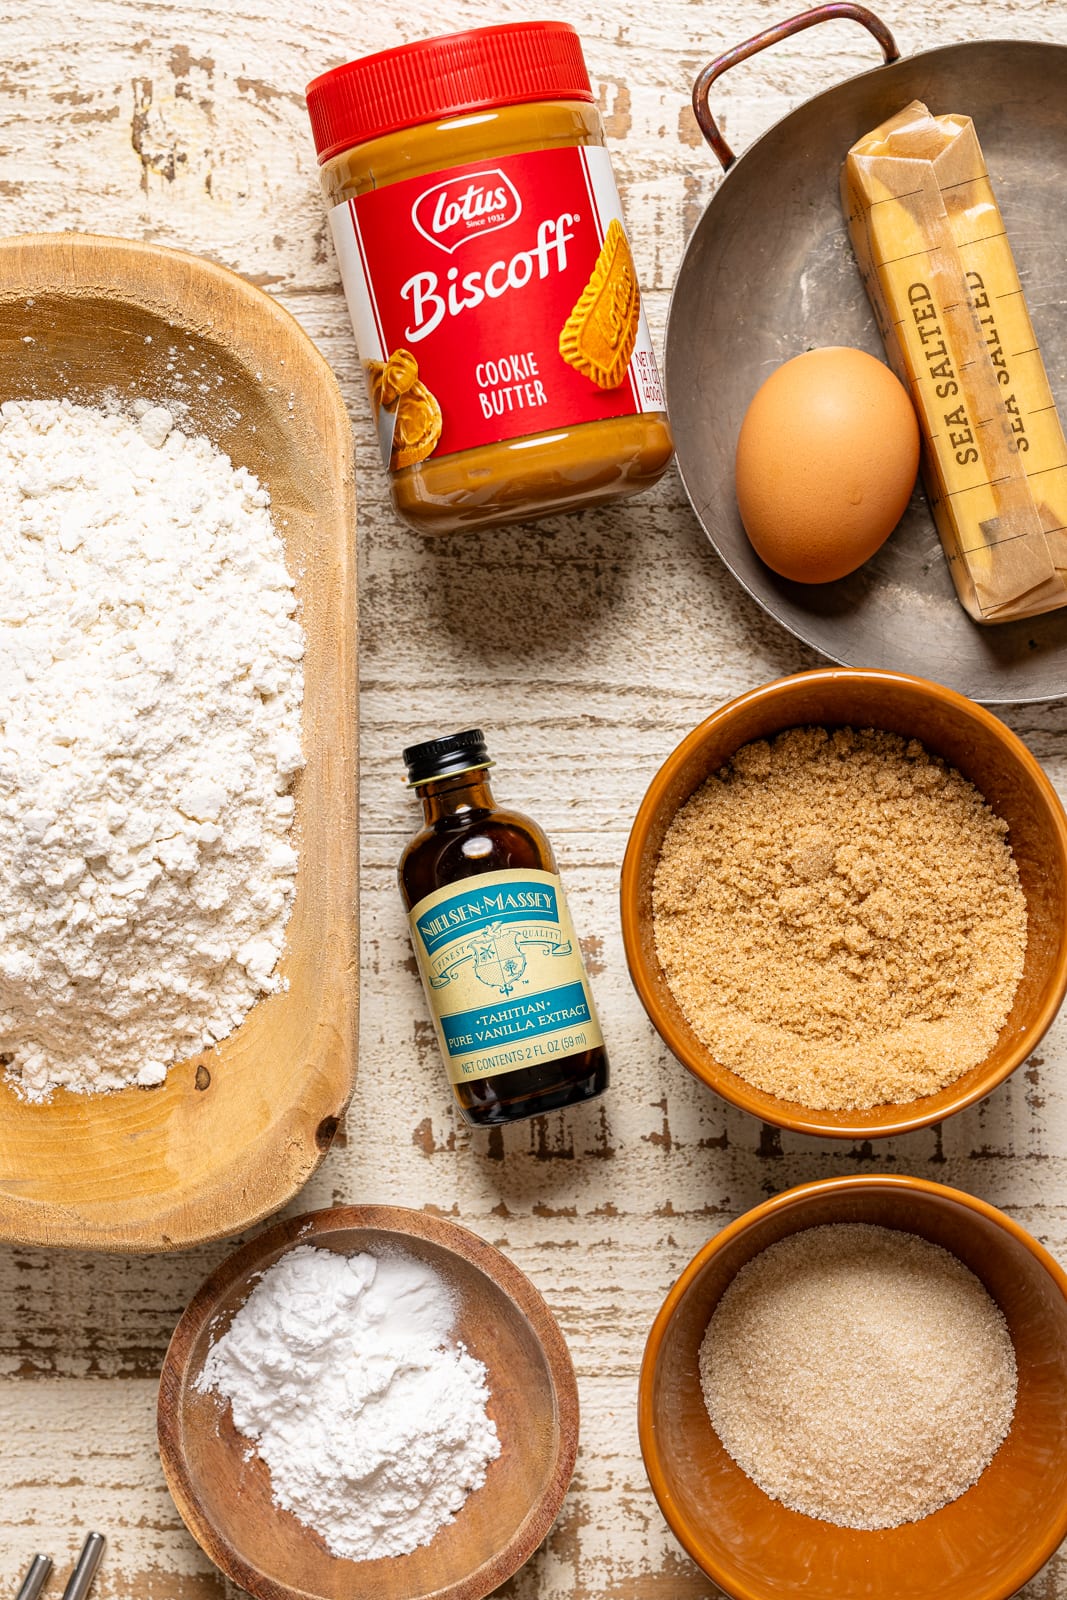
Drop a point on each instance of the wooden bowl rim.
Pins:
(313, 1226)
(81, 247)
(800, 1197)
(683, 1042)
(81, 243)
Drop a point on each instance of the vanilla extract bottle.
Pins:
(495, 945)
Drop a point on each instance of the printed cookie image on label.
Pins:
(503, 973)
(407, 415)
(598, 337)
(503, 296)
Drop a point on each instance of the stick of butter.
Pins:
(940, 274)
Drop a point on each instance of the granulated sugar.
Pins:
(840, 918)
(858, 1374)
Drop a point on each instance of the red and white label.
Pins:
(475, 271)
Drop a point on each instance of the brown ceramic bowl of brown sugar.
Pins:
(222, 1486)
(967, 738)
(984, 1545)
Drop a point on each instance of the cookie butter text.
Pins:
(510, 383)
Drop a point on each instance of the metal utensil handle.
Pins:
(36, 1578)
(807, 19)
(80, 1581)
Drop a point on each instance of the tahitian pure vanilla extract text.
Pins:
(495, 945)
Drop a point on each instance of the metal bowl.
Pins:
(769, 273)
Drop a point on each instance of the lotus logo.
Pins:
(465, 208)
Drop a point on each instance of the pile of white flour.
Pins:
(372, 1423)
(150, 690)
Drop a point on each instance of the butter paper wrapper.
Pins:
(940, 274)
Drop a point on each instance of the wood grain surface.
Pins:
(586, 647)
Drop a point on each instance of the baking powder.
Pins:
(150, 692)
(372, 1422)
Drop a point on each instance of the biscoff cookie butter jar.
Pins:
(489, 277)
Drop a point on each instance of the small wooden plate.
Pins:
(234, 1132)
(222, 1488)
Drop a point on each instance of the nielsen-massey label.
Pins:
(495, 300)
(503, 973)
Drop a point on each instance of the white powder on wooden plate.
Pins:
(371, 1421)
(859, 1374)
(150, 693)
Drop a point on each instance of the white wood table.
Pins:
(585, 647)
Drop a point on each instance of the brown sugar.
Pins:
(839, 916)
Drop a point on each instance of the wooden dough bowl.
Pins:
(235, 1131)
(222, 1488)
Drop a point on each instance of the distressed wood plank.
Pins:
(586, 646)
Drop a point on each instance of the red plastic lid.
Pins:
(444, 77)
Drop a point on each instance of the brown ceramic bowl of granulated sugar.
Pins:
(969, 854)
(982, 1545)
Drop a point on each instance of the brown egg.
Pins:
(826, 461)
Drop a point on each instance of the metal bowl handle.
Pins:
(807, 19)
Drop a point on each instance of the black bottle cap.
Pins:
(443, 758)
